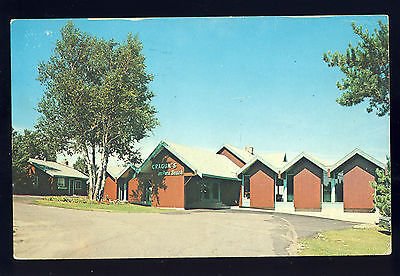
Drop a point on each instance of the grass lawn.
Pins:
(346, 242)
(94, 206)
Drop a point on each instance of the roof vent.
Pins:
(249, 149)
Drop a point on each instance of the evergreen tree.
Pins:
(382, 186)
(366, 69)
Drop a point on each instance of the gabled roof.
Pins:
(254, 160)
(200, 161)
(359, 152)
(114, 171)
(276, 159)
(117, 171)
(56, 169)
(307, 156)
(242, 154)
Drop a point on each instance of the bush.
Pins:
(382, 186)
(70, 199)
(82, 199)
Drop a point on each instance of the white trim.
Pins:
(165, 145)
(168, 147)
(255, 159)
(354, 152)
(307, 156)
(234, 150)
(59, 187)
(124, 170)
(76, 181)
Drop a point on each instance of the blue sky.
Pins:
(256, 81)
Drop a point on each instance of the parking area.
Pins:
(49, 232)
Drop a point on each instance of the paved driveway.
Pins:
(49, 232)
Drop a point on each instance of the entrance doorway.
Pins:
(210, 192)
(71, 187)
(74, 187)
(246, 191)
(123, 191)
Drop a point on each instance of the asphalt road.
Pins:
(48, 232)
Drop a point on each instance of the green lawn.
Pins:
(346, 242)
(94, 206)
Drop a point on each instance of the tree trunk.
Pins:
(103, 176)
(89, 166)
(93, 169)
(101, 173)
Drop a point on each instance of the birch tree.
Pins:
(96, 101)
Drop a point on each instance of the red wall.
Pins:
(357, 191)
(231, 157)
(261, 190)
(133, 186)
(110, 189)
(307, 190)
(173, 195)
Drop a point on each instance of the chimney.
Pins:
(249, 149)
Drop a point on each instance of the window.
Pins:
(78, 184)
(339, 190)
(61, 183)
(290, 195)
(327, 192)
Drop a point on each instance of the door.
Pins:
(71, 187)
(123, 191)
(246, 191)
(210, 192)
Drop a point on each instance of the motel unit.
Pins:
(179, 176)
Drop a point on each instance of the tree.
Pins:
(81, 165)
(25, 145)
(382, 186)
(96, 101)
(366, 69)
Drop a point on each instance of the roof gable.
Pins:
(362, 154)
(117, 171)
(200, 161)
(241, 154)
(307, 156)
(250, 164)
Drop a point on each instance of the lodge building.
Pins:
(179, 176)
(52, 178)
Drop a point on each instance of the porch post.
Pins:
(285, 188)
(333, 192)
